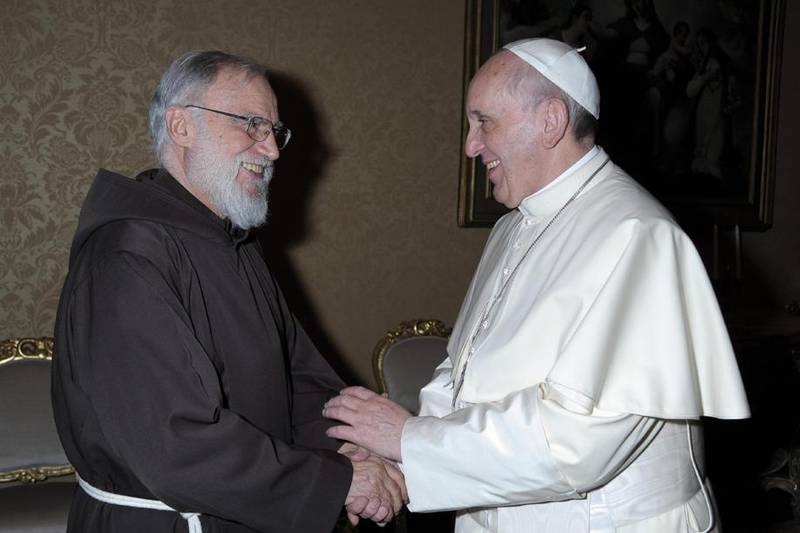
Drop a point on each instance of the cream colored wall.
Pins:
(367, 224)
(364, 229)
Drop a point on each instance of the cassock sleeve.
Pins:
(159, 406)
(526, 448)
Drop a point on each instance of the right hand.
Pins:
(377, 491)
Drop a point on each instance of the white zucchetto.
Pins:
(564, 66)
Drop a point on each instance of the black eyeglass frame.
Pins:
(277, 129)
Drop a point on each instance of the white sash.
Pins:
(663, 477)
(142, 503)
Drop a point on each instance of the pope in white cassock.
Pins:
(587, 348)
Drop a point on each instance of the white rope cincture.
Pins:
(700, 480)
(142, 503)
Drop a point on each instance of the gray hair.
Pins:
(531, 87)
(188, 77)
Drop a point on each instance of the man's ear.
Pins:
(179, 127)
(556, 120)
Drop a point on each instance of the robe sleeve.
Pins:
(159, 406)
(526, 448)
(313, 383)
(436, 397)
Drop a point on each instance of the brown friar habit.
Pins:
(180, 374)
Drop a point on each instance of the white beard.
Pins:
(217, 178)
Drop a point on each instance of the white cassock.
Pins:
(577, 384)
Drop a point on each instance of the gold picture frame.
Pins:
(734, 185)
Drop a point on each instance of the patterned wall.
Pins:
(364, 206)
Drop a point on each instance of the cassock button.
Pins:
(506, 271)
(528, 222)
(485, 324)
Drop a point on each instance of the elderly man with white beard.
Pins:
(186, 394)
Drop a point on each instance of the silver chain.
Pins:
(497, 298)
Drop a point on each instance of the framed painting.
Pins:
(689, 96)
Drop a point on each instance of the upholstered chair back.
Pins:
(36, 480)
(404, 361)
(405, 358)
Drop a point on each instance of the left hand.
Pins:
(375, 422)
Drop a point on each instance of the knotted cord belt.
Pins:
(131, 501)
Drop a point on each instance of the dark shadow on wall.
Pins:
(297, 171)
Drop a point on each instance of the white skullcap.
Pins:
(564, 66)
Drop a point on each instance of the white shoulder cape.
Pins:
(613, 304)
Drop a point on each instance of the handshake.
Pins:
(374, 425)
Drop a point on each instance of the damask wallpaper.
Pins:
(363, 230)
(363, 226)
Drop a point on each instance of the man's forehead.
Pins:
(488, 86)
(499, 64)
(237, 81)
(242, 87)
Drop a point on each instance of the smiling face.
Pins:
(229, 170)
(504, 128)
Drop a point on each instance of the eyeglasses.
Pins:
(258, 128)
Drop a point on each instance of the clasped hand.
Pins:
(375, 425)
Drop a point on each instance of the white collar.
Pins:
(553, 195)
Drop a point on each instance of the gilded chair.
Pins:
(36, 480)
(405, 358)
(403, 362)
